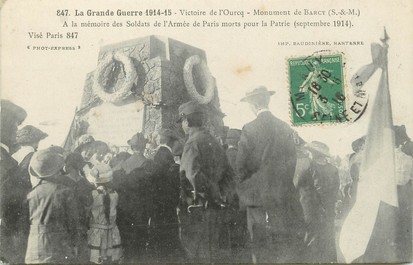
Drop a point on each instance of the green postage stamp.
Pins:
(317, 89)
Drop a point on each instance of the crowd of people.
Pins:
(261, 195)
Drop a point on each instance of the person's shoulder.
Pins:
(332, 168)
(252, 125)
(161, 154)
(67, 186)
(197, 137)
(53, 187)
(280, 124)
(7, 161)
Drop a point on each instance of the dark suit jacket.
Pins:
(204, 164)
(266, 162)
(165, 187)
(11, 199)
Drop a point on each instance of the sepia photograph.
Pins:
(204, 132)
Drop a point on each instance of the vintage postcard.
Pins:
(206, 131)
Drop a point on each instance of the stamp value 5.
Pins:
(317, 89)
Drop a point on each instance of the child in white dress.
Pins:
(104, 239)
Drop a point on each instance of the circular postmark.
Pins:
(318, 90)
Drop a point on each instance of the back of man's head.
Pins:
(260, 101)
(196, 119)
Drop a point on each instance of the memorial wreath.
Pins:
(207, 78)
(124, 90)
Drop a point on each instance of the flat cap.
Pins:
(188, 108)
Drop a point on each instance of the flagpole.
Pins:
(384, 40)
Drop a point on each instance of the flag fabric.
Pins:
(377, 188)
(71, 136)
(361, 77)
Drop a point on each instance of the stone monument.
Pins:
(138, 86)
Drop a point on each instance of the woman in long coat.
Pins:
(53, 212)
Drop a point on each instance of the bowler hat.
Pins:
(29, 134)
(137, 139)
(102, 173)
(188, 108)
(319, 147)
(261, 90)
(9, 109)
(46, 163)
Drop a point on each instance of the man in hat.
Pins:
(10, 199)
(138, 145)
(266, 162)
(206, 188)
(164, 231)
(326, 182)
(53, 212)
(133, 186)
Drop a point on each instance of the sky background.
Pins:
(49, 84)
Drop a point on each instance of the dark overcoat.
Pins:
(164, 230)
(134, 208)
(266, 163)
(205, 165)
(205, 171)
(12, 196)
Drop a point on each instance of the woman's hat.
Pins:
(137, 140)
(29, 134)
(82, 141)
(46, 163)
(356, 145)
(261, 90)
(319, 147)
(12, 112)
(101, 173)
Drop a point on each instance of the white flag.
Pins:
(377, 172)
